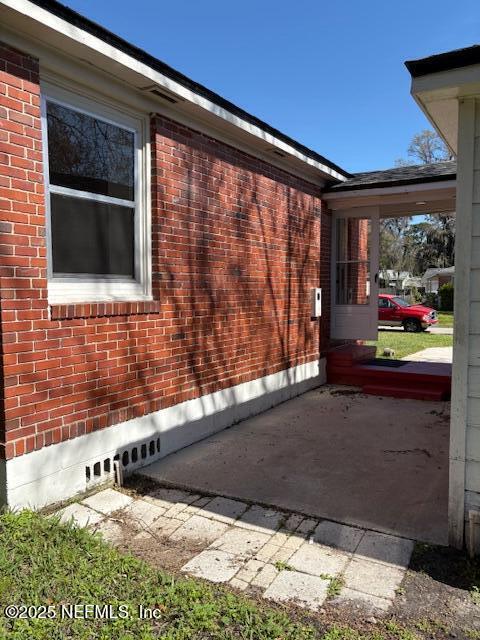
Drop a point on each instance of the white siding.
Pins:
(472, 444)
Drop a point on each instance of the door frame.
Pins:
(373, 213)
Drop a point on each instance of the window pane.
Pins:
(353, 261)
(88, 154)
(91, 237)
(353, 239)
(353, 283)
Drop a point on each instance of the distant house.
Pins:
(433, 279)
(398, 282)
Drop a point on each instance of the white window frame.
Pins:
(77, 288)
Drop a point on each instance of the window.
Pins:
(353, 261)
(97, 208)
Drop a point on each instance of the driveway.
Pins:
(372, 462)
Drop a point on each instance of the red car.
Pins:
(394, 311)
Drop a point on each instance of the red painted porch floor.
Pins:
(352, 365)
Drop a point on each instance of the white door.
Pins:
(355, 246)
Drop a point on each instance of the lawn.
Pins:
(445, 319)
(404, 343)
(44, 563)
(51, 567)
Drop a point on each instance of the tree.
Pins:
(430, 242)
(426, 147)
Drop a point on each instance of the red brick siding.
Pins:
(237, 245)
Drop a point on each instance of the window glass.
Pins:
(91, 237)
(401, 302)
(89, 154)
(353, 261)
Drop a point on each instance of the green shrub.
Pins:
(431, 300)
(446, 297)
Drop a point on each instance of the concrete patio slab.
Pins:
(371, 462)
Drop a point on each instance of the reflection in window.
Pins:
(91, 237)
(92, 195)
(353, 261)
(89, 154)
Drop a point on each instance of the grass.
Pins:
(445, 319)
(45, 563)
(281, 565)
(404, 343)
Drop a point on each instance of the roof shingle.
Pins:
(398, 176)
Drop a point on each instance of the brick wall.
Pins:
(237, 244)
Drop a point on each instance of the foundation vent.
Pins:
(112, 469)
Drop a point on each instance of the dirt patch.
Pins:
(161, 552)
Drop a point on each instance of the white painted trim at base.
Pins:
(58, 472)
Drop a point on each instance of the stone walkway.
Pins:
(432, 354)
(284, 556)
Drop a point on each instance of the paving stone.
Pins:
(261, 519)
(199, 528)
(81, 515)
(110, 531)
(250, 570)
(107, 501)
(306, 527)
(168, 497)
(268, 551)
(317, 559)
(371, 603)
(161, 527)
(241, 542)
(143, 513)
(294, 542)
(283, 554)
(184, 516)
(238, 584)
(224, 509)
(201, 502)
(384, 548)
(174, 510)
(280, 538)
(214, 565)
(338, 535)
(293, 521)
(373, 578)
(307, 591)
(265, 576)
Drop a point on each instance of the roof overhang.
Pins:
(439, 82)
(125, 64)
(407, 200)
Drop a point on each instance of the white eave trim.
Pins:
(51, 21)
(384, 191)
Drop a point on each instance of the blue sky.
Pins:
(329, 74)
